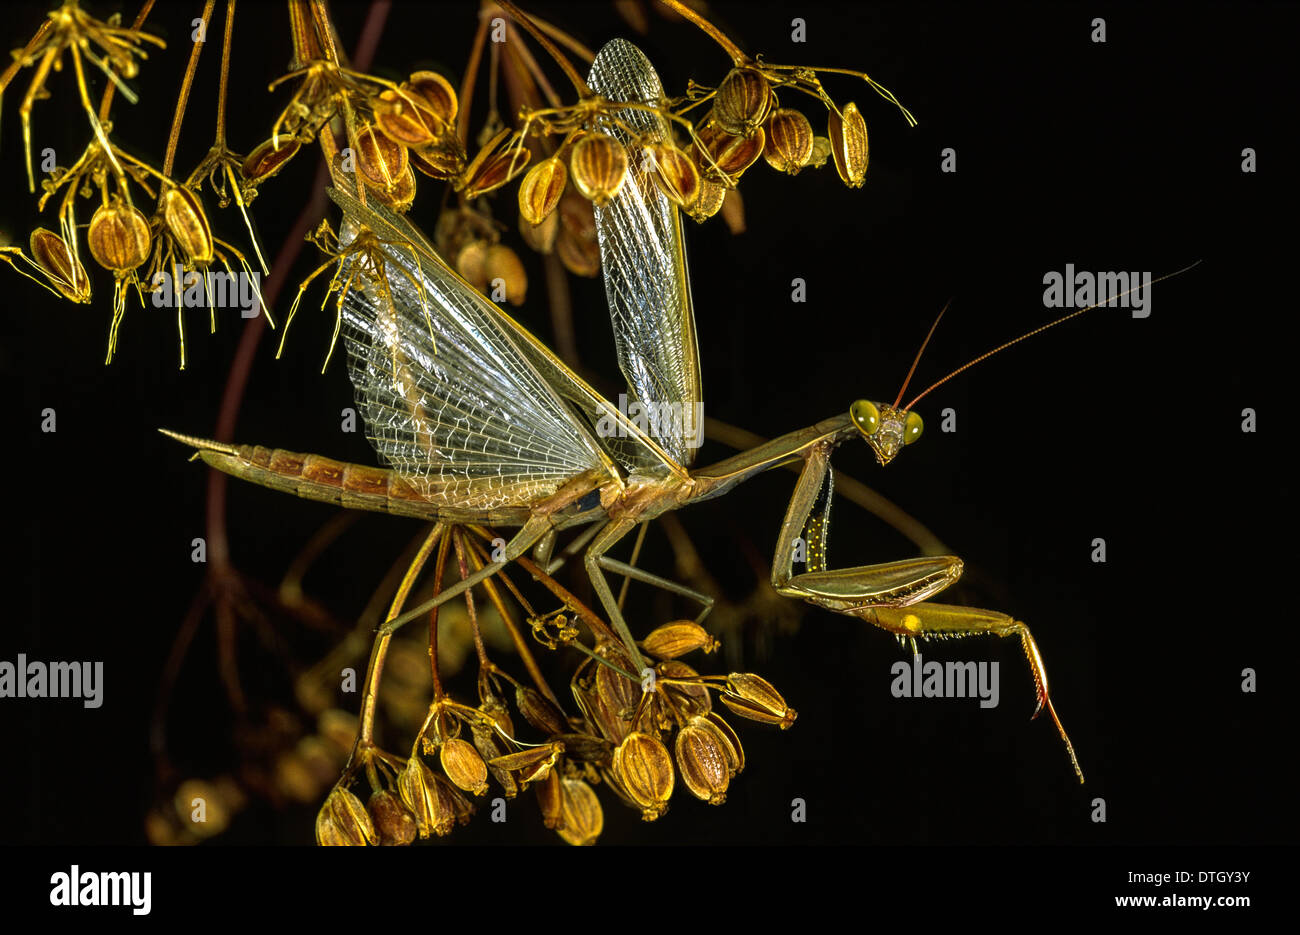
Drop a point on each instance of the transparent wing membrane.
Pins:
(449, 398)
(644, 262)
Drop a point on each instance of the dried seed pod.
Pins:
(55, 258)
(550, 799)
(343, 820)
(617, 693)
(119, 237)
(674, 173)
(821, 151)
(185, 218)
(452, 807)
(471, 262)
(437, 93)
(709, 202)
(393, 821)
(677, 639)
(406, 118)
(576, 245)
(381, 162)
(490, 746)
(586, 748)
(532, 764)
(742, 102)
(418, 788)
(735, 752)
(645, 769)
(503, 263)
(581, 814)
(752, 696)
(443, 160)
(463, 766)
(496, 164)
(789, 141)
(690, 698)
(730, 155)
(541, 237)
(540, 711)
(540, 191)
(703, 760)
(599, 165)
(849, 145)
(400, 196)
(266, 160)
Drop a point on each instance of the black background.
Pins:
(1117, 156)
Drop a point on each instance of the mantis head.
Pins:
(886, 428)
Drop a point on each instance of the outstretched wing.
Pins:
(644, 261)
(449, 397)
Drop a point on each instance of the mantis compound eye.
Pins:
(866, 416)
(912, 428)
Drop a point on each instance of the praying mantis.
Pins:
(480, 423)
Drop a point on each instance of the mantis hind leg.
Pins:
(928, 620)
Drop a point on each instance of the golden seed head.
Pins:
(689, 698)
(380, 161)
(752, 696)
(731, 742)
(581, 816)
(400, 196)
(437, 93)
(731, 155)
(645, 770)
(674, 173)
(53, 255)
(577, 245)
(471, 262)
(443, 160)
(848, 138)
(490, 170)
(550, 799)
(452, 807)
(418, 789)
(503, 263)
(343, 820)
(541, 237)
(540, 191)
(617, 695)
(677, 639)
(531, 764)
(586, 748)
(599, 166)
(185, 219)
(265, 160)
(540, 711)
(490, 746)
(742, 103)
(405, 117)
(710, 201)
(789, 141)
(463, 766)
(393, 821)
(119, 237)
(703, 760)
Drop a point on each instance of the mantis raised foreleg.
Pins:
(892, 595)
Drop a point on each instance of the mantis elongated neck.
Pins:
(716, 479)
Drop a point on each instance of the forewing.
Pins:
(644, 261)
(449, 398)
